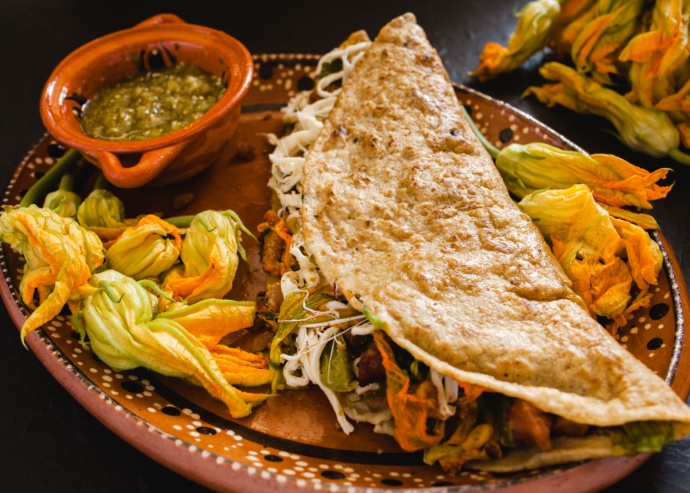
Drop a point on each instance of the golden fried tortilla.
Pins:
(405, 211)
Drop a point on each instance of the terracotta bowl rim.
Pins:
(216, 42)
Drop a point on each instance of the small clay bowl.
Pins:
(157, 42)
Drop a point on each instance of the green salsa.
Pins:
(151, 104)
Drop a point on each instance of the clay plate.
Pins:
(291, 441)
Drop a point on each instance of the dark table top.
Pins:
(49, 442)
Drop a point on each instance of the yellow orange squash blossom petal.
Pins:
(596, 48)
(658, 54)
(590, 245)
(212, 319)
(570, 26)
(410, 412)
(124, 332)
(241, 367)
(60, 258)
(614, 181)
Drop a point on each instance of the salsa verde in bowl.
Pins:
(162, 43)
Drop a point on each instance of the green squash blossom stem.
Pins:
(149, 284)
(47, 181)
(181, 221)
(490, 148)
(101, 183)
(679, 156)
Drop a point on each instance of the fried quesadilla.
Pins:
(414, 292)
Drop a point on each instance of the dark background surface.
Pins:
(48, 442)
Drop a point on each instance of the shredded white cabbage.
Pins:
(305, 366)
(363, 329)
(307, 276)
(349, 56)
(447, 389)
(287, 159)
(287, 172)
(357, 410)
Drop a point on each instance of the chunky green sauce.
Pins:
(151, 104)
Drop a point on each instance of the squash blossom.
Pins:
(613, 181)
(531, 34)
(146, 250)
(678, 102)
(104, 214)
(591, 247)
(212, 319)
(575, 15)
(60, 258)
(642, 129)
(571, 10)
(597, 46)
(677, 106)
(119, 319)
(410, 411)
(210, 255)
(63, 200)
(659, 54)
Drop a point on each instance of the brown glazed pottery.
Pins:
(159, 41)
(291, 442)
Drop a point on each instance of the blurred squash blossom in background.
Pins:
(642, 129)
(596, 48)
(535, 22)
(658, 56)
(631, 64)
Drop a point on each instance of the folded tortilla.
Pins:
(406, 213)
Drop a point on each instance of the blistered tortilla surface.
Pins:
(405, 211)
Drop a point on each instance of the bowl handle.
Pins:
(160, 19)
(151, 164)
